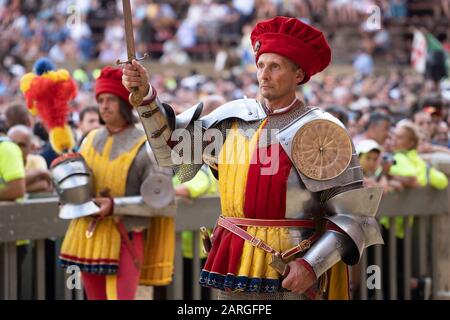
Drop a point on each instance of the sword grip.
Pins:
(145, 56)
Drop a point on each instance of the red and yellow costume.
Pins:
(119, 254)
(234, 264)
(290, 181)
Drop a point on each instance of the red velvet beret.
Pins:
(289, 37)
(110, 81)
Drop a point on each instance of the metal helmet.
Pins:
(73, 183)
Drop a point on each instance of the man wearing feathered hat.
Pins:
(294, 212)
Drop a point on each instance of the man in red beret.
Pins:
(109, 247)
(294, 212)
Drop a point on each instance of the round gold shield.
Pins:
(321, 149)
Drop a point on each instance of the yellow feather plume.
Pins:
(25, 82)
(61, 139)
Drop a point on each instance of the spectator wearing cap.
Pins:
(375, 165)
(369, 153)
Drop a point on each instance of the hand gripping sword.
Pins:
(135, 97)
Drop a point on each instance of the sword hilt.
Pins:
(135, 98)
(146, 55)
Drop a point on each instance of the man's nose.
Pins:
(264, 74)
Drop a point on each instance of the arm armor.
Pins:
(136, 206)
(351, 228)
(351, 209)
(159, 122)
(157, 199)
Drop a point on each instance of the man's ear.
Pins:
(300, 75)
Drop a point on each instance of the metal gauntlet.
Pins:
(137, 207)
(351, 228)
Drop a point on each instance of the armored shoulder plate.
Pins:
(244, 109)
(321, 150)
(184, 119)
(359, 202)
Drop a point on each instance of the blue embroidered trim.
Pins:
(243, 284)
(103, 269)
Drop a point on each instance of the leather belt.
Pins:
(231, 225)
(286, 223)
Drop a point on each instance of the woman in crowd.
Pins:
(409, 168)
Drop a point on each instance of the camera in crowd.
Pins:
(388, 158)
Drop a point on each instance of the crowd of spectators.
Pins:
(87, 30)
(81, 31)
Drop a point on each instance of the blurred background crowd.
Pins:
(200, 49)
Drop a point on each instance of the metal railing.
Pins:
(37, 220)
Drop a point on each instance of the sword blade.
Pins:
(129, 36)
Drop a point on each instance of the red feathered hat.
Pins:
(110, 81)
(289, 37)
